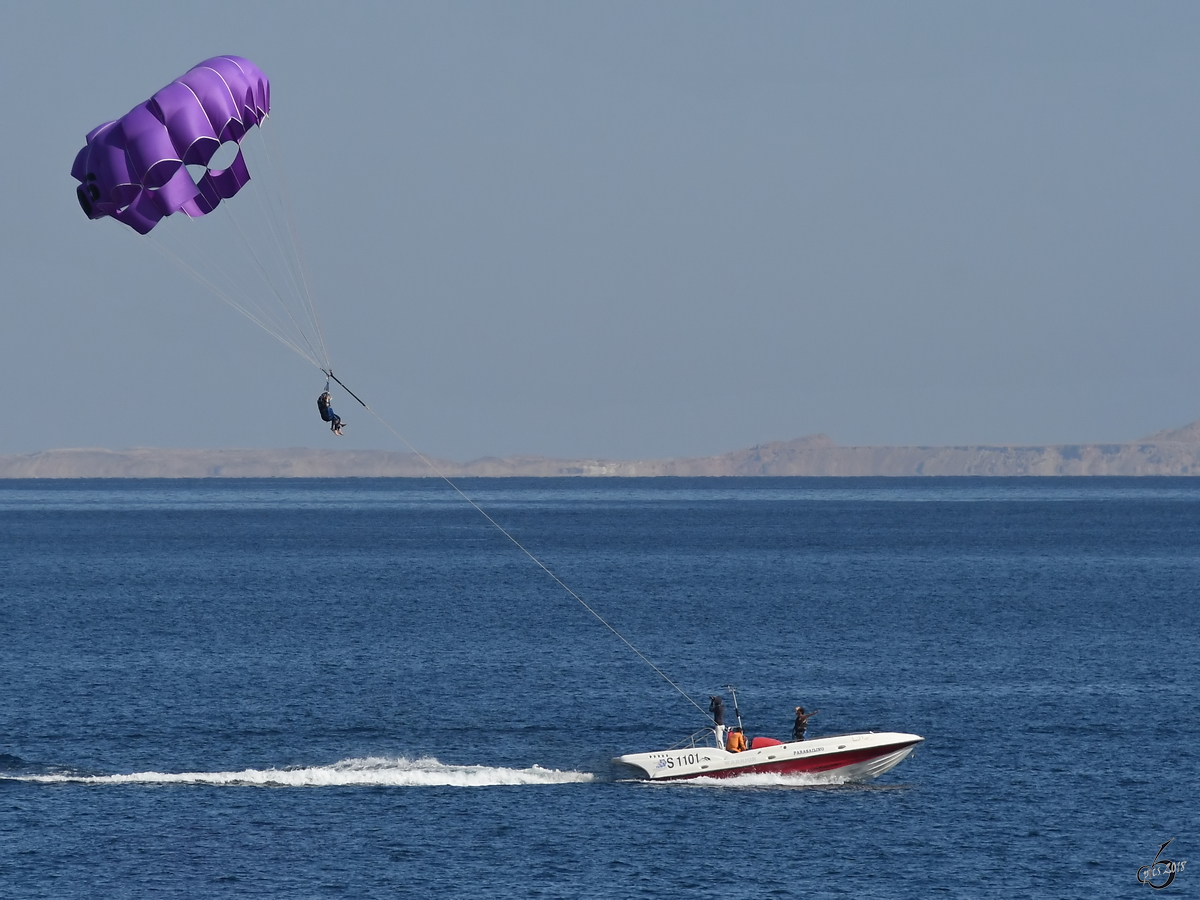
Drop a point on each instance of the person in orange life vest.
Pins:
(737, 741)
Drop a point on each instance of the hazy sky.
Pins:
(634, 229)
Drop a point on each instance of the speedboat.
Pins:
(860, 756)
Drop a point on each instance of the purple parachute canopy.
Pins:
(135, 169)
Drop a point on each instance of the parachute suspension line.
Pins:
(270, 284)
(237, 298)
(273, 157)
(541, 565)
(273, 227)
(282, 221)
(300, 289)
(275, 332)
(257, 316)
(231, 292)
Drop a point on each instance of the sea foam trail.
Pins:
(378, 771)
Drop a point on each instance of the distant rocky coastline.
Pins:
(1174, 452)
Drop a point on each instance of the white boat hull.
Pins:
(844, 757)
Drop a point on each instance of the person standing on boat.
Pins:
(801, 723)
(716, 708)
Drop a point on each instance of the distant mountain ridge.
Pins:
(1168, 452)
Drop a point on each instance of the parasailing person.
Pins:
(324, 405)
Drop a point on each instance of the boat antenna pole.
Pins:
(737, 712)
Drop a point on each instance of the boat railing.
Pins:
(691, 740)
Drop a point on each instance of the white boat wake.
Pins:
(370, 771)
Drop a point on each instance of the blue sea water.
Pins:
(360, 689)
